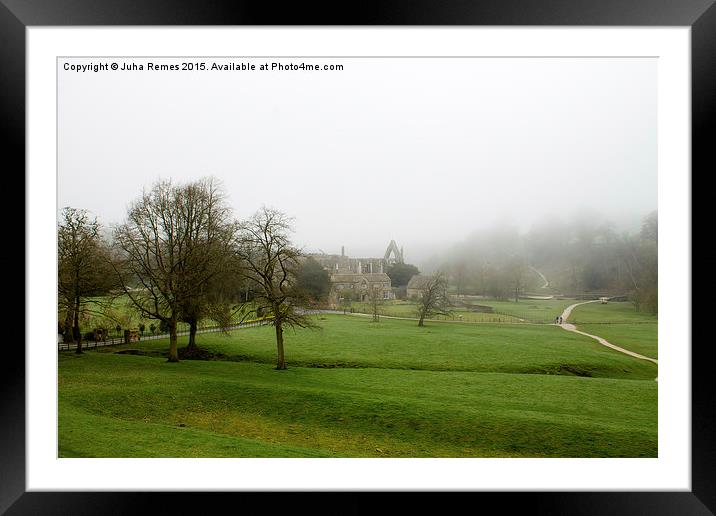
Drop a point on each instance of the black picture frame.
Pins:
(16, 15)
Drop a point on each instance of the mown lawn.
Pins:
(533, 310)
(355, 341)
(525, 310)
(400, 308)
(620, 324)
(118, 405)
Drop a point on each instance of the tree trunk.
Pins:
(68, 336)
(192, 334)
(173, 355)
(76, 327)
(422, 318)
(281, 362)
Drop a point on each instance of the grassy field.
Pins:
(363, 389)
(620, 324)
(400, 308)
(525, 310)
(356, 341)
(107, 312)
(533, 310)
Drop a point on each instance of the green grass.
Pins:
(356, 341)
(613, 312)
(108, 312)
(85, 434)
(400, 308)
(129, 406)
(525, 310)
(533, 310)
(620, 324)
(357, 388)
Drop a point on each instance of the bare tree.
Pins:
(176, 239)
(83, 269)
(271, 262)
(433, 298)
(375, 300)
(219, 300)
(515, 269)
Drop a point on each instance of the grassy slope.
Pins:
(620, 324)
(535, 310)
(409, 309)
(123, 405)
(531, 310)
(355, 341)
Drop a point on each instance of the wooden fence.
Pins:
(66, 346)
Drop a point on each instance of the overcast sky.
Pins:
(422, 151)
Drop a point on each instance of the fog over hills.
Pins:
(422, 151)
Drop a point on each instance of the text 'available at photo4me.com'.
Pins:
(199, 65)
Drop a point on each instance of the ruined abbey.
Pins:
(353, 278)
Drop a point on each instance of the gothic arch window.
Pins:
(397, 255)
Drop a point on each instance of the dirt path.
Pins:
(570, 327)
(546, 283)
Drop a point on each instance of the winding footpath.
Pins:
(571, 327)
(546, 283)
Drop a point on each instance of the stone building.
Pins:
(416, 285)
(352, 278)
(357, 286)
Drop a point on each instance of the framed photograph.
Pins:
(408, 249)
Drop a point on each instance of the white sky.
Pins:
(422, 151)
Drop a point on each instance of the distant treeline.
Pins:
(576, 257)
